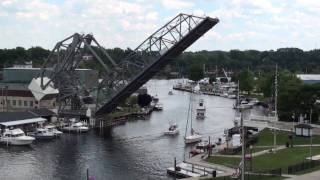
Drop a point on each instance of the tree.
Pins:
(132, 100)
(289, 87)
(144, 100)
(264, 84)
(246, 80)
(195, 72)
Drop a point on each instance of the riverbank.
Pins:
(263, 160)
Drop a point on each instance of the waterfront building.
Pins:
(309, 78)
(15, 95)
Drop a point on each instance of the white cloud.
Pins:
(177, 4)
(36, 9)
(262, 24)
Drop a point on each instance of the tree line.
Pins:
(293, 59)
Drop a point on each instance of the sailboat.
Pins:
(194, 136)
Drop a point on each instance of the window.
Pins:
(14, 102)
(8, 102)
(31, 103)
(20, 103)
(25, 103)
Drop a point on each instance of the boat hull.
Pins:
(17, 142)
(75, 130)
(172, 132)
(44, 137)
(192, 139)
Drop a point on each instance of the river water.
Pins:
(136, 150)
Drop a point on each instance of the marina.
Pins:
(142, 154)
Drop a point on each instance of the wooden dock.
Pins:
(187, 169)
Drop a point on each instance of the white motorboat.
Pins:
(170, 93)
(232, 96)
(16, 137)
(42, 133)
(76, 127)
(172, 130)
(52, 128)
(158, 107)
(201, 110)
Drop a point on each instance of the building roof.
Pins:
(42, 112)
(26, 93)
(305, 126)
(14, 116)
(309, 77)
(17, 118)
(25, 121)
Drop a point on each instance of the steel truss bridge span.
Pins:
(121, 78)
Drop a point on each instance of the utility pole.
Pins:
(310, 153)
(275, 107)
(243, 146)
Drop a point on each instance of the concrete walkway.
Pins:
(226, 171)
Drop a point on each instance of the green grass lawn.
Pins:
(265, 138)
(226, 161)
(125, 111)
(254, 150)
(281, 159)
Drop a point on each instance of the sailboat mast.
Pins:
(238, 97)
(191, 111)
(185, 133)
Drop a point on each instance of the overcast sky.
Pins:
(244, 24)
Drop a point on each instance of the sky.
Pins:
(244, 24)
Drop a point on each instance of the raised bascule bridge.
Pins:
(118, 79)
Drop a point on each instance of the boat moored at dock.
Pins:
(54, 130)
(77, 127)
(42, 134)
(16, 137)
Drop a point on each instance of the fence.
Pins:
(303, 166)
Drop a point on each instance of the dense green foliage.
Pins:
(246, 80)
(144, 100)
(19, 55)
(294, 97)
(195, 72)
(293, 59)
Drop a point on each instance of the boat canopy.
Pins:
(24, 121)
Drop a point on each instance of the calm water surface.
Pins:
(136, 150)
